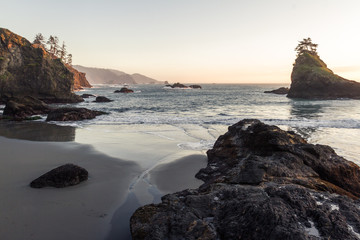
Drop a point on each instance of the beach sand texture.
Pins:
(128, 167)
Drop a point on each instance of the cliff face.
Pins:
(311, 79)
(80, 80)
(27, 70)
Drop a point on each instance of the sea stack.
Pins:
(312, 79)
(261, 183)
(28, 70)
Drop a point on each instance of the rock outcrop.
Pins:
(23, 108)
(102, 99)
(280, 91)
(86, 95)
(124, 90)
(261, 183)
(63, 176)
(195, 86)
(72, 114)
(27, 70)
(80, 80)
(311, 79)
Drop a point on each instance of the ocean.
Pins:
(216, 106)
(155, 140)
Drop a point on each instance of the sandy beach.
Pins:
(128, 167)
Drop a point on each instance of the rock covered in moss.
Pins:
(63, 176)
(261, 183)
(311, 79)
(27, 70)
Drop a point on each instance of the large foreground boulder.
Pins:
(63, 176)
(72, 114)
(261, 183)
(311, 79)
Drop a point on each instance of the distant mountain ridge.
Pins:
(112, 76)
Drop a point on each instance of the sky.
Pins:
(195, 41)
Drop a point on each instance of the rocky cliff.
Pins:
(261, 183)
(311, 79)
(80, 80)
(27, 70)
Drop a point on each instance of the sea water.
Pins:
(139, 127)
(216, 106)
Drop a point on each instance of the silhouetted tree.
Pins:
(306, 45)
(69, 59)
(53, 46)
(39, 39)
(62, 52)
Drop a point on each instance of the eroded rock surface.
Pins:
(261, 183)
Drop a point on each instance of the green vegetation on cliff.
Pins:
(312, 79)
(28, 70)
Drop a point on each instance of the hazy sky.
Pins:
(224, 41)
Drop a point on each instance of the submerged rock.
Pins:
(282, 90)
(102, 99)
(261, 183)
(311, 79)
(195, 86)
(63, 176)
(124, 90)
(72, 114)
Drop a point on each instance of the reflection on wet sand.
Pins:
(37, 131)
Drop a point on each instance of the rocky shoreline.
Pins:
(261, 183)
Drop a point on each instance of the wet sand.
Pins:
(129, 166)
(79, 212)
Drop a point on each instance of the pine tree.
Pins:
(39, 39)
(63, 52)
(69, 59)
(306, 45)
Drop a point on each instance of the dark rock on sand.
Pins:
(124, 90)
(282, 90)
(261, 183)
(86, 95)
(102, 99)
(311, 79)
(63, 176)
(72, 114)
(23, 108)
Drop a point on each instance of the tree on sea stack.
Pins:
(306, 46)
(312, 79)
